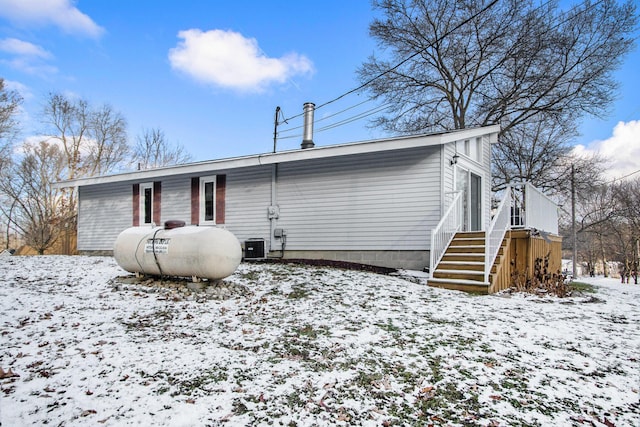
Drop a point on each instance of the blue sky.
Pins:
(210, 74)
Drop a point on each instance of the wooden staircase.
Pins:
(462, 265)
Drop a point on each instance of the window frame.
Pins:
(142, 203)
(204, 180)
(470, 149)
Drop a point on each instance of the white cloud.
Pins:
(61, 13)
(622, 149)
(27, 57)
(228, 59)
(31, 67)
(22, 48)
(18, 87)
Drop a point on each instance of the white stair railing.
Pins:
(495, 234)
(443, 234)
(540, 211)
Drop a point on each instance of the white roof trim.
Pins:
(397, 143)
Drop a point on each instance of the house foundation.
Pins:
(409, 260)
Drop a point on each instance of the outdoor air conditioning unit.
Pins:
(255, 249)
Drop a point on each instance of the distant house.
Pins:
(374, 202)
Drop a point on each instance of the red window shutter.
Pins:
(136, 205)
(157, 202)
(221, 190)
(195, 201)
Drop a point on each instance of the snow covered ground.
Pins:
(309, 346)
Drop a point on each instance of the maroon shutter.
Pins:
(157, 202)
(195, 201)
(136, 205)
(221, 190)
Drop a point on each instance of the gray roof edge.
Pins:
(361, 147)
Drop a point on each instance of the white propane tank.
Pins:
(191, 251)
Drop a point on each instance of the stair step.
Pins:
(466, 265)
(476, 234)
(467, 254)
(454, 256)
(472, 275)
(456, 281)
(465, 262)
(460, 285)
(466, 248)
(467, 242)
(470, 272)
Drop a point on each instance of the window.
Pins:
(470, 148)
(208, 200)
(477, 151)
(146, 203)
(462, 147)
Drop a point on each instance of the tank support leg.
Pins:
(196, 279)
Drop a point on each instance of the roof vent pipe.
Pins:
(307, 137)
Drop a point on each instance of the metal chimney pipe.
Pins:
(307, 137)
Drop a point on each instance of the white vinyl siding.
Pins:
(448, 176)
(176, 198)
(383, 201)
(103, 212)
(248, 194)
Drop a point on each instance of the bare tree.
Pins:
(540, 153)
(93, 140)
(609, 225)
(10, 102)
(152, 150)
(627, 194)
(37, 207)
(534, 69)
(597, 213)
(8, 200)
(108, 148)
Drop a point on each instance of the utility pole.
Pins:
(275, 128)
(637, 266)
(574, 257)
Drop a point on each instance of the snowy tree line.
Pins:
(608, 228)
(77, 140)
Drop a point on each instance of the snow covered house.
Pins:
(381, 202)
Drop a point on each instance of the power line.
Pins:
(401, 63)
(622, 177)
(344, 121)
(355, 118)
(327, 117)
(410, 57)
(348, 120)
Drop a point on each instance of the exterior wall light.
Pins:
(454, 159)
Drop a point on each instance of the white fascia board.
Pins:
(397, 143)
(189, 168)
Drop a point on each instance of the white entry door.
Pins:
(471, 186)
